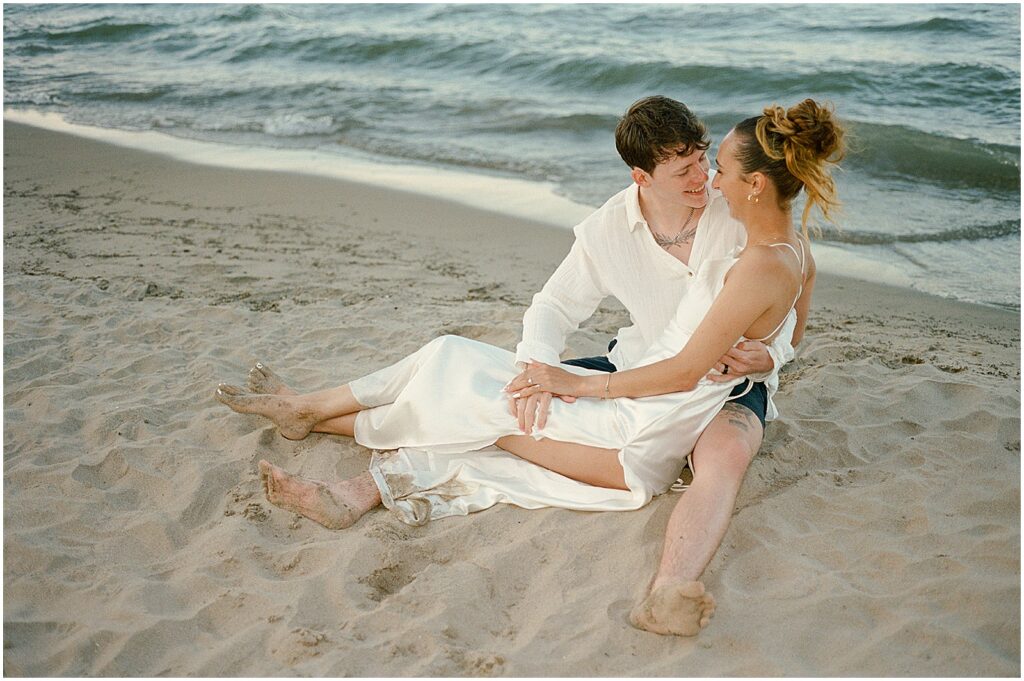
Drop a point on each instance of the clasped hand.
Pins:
(538, 377)
(746, 357)
(531, 391)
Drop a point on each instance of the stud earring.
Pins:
(753, 197)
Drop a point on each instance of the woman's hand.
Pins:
(545, 378)
(532, 409)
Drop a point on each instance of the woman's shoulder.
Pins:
(766, 264)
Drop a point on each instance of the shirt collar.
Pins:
(633, 215)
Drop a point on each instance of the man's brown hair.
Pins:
(655, 129)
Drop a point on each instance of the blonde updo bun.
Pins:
(795, 148)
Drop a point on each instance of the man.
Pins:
(644, 247)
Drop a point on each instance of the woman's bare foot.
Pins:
(682, 609)
(292, 419)
(264, 381)
(335, 506)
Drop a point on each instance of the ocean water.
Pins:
(532, 93)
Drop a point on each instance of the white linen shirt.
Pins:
(615, 255)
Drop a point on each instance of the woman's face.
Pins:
(728, 178)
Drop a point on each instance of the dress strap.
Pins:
(801, 258)
(800, 255)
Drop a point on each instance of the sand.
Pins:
(877, 532)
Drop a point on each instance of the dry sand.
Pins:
(877, 533)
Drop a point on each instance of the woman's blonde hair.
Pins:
(795, 148)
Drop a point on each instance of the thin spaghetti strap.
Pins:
(801, 258)
(799, 254)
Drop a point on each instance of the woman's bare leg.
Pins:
(592, 465)
(339, 425)
(265, 381)
(335, 505)
(297, 415)
(294, 415)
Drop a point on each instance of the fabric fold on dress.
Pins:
(420, 486)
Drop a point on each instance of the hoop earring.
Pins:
(753, 197)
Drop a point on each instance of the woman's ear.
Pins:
(758, 182)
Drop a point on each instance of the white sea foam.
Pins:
(521, 198)
(294, 125)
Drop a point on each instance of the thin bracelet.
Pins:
(606, 384)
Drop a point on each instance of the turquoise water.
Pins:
(931, 92)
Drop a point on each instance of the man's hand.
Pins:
(747, 357)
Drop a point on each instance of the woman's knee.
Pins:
(446, 342)
(440, 341)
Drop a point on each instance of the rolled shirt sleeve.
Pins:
(569, 297)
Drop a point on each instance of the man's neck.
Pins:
(667, 219)
(674, 227)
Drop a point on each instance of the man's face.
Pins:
(681, 180)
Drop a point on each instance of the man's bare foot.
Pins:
(335, 506)
(682, 609)
(292, 420)
(264, 381)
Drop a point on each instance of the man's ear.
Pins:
(641, 177)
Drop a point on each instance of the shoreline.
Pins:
(523, 199)
(513, 197)
(880, 520)
(559, 238)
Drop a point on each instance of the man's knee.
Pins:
(728, 444)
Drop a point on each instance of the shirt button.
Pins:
(689, 274)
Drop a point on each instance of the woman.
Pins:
(627, 437)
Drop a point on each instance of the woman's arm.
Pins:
(759, 285)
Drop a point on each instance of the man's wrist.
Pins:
(525, 355)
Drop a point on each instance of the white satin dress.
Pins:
(435, 415)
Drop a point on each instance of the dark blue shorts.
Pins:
(756, 399)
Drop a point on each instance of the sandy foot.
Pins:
(335, 506)
(292, 421)
(682, 609)
(264, 381)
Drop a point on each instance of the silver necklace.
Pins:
(684, 235)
